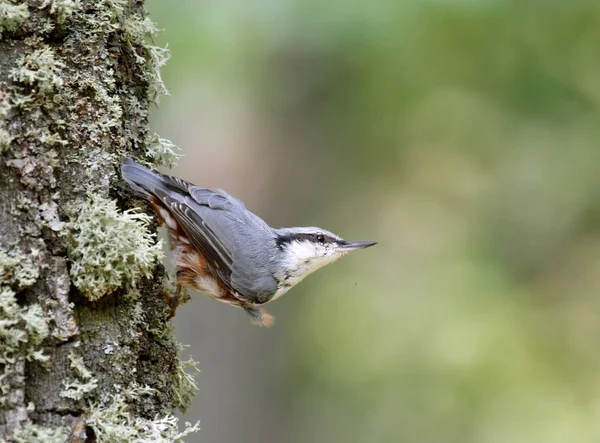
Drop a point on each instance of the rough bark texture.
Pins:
(77, 79)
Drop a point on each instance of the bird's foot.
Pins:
(180, 297)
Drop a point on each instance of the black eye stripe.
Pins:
(320, 238)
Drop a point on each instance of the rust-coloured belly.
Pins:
(191, 266)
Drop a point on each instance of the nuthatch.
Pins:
(227, 252)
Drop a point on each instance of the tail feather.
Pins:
(147, 181)
(141, 179)
(259, 317)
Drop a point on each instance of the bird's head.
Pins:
(304, 250)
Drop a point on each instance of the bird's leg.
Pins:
(180, 297)
(173, 301)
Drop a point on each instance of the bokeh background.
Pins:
(463, 135)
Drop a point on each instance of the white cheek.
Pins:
(301, 251)
(300, 260)
(331, 255)
(308, 257)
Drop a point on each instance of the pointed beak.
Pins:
(354, 245)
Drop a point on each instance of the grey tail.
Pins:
(141, 179)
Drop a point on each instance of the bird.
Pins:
(223, 250)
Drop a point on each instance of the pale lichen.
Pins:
(5, 139)
(51, 138)
(137, 314)
(20, 327)
(136, 32)
(105, 93)
(61, 9)
(78, 390)
(162, 152)
(40, 68)
(49, 213)
(79, 366)
(84, 383)
(115, 422)
(22, 331)
(31, 433)
(18, 269)
(111, 248)
(12, 17)
(5, 136)
(184, 383)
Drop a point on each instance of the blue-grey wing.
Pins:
(247, 239)
(217, 255)
(231, 238)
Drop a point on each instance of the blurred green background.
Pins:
(463, 135)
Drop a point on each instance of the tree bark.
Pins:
(86, 352)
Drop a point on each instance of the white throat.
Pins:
(299, 259)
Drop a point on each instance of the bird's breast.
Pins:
(280, 291)
(286, 281)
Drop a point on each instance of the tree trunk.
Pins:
(86, 352)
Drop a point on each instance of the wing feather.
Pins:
(201, 236)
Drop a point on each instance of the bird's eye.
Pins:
(320, 238)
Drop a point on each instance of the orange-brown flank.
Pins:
(191, 266)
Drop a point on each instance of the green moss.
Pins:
(111, 248)
(12, 17)
(61, 9)
(162, 152)
(30, 433)
(39, 68)
(115, 423)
